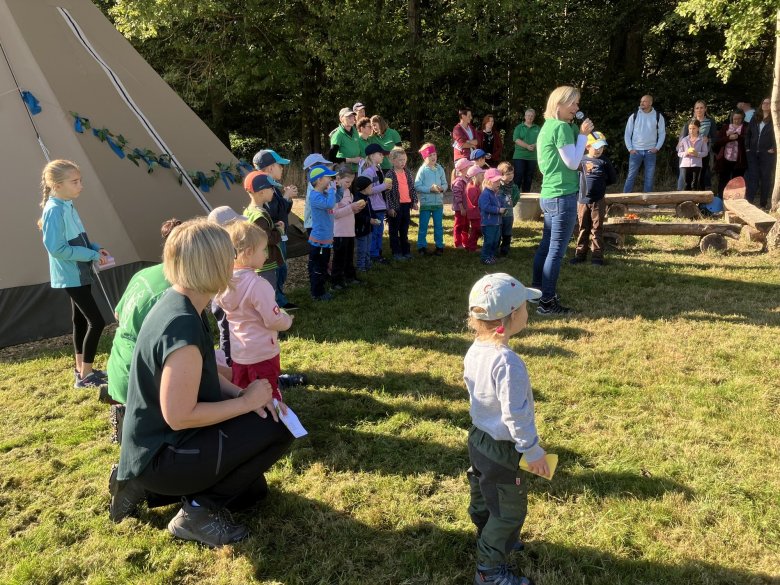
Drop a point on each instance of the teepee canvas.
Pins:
(72, 87)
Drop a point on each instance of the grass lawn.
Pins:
(661, 396)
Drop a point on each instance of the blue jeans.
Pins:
(634, 162)
(490, 237)
(438, 229)
(362, 259)
(281, 277)
(377, 231)
(524, 173)
(560, 216)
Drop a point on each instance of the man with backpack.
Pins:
(644, 137)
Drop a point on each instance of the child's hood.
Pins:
(232, 298)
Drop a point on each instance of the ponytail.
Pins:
(53, 173)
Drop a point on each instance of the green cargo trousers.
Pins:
(499, 496)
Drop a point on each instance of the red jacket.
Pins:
(472, 201)
(498, 147)
(459, 138)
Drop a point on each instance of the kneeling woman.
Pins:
(187, 431)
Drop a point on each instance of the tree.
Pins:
(746, 25)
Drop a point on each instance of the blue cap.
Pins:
(477, 153)
(318, 171)
(257, 181)
(265, 158)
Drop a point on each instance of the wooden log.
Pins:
(751, 214)
(616, 240)
(735, 189)
(731, 217)
(688, 210)
(617, 210)
(659, 228)
(659, 197)
(773, 238)
(751, 234)
(714, 242)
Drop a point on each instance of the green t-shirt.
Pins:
(173, 323)
(142, 293)
(527, 135)
(387, 141)
(349, 144)
(253, 213)
(557, 178)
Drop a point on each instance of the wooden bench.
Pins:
(712, 235)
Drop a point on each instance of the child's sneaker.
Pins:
(500, 575)
(552, 308)
(91, 380)
(213, 528)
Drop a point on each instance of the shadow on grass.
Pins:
(297, 540)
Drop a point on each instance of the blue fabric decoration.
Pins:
(204, 182)
(78, 126)
(245, 168)
(164, 161)
(115, 147)
(31, 102)
(140, 153)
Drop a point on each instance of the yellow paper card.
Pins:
(552, 463)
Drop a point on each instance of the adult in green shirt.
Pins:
(364, 134)
(344, 141)
(524, 157)
(385, 137)
(189, 432)
(560, 147)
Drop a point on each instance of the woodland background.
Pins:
(274, 74)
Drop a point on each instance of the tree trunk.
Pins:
(776, 113)
(218, 124)
(415, 73)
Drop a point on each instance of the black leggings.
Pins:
(88, 322)
(221, 463)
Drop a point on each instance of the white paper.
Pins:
(291, 421)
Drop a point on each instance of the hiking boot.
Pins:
(500, 575)
(117, 418)
(291, 380)
(125, 496)
(552, 308)
(91, 380)
(213, 528)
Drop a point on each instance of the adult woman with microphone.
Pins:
(560, 147)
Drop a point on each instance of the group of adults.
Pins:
(355, 131)
(743, 146)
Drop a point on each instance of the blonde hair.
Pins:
(487, 330)
(505, 167)
(246, 237)
(54, 172)
(198, 255)
(562, 95)
(395, 152)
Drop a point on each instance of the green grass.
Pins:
(660, 396)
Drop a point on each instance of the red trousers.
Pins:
(245, 374)
(475, 231)
(461, 230)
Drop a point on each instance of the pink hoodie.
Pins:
(254, 317)
(345, 217)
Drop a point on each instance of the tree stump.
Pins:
(617, 210)
(773, 237)
(751, 234)
(688, 210)
(714, 242)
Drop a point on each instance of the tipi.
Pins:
(72, 87)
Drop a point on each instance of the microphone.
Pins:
(579, 115)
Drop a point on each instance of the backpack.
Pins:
(657, 119)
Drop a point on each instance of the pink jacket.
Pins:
(344, 213)
(254, 317)
(459, 193)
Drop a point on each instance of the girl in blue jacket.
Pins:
(71, 255)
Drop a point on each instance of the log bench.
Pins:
(712, 235)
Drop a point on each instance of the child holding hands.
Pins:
(503, 427)
(251, 310)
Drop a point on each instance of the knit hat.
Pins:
(499, 295)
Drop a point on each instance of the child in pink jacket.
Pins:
(459, 183)
(251, 310)
(342, 271)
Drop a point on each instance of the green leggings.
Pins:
(499, 497)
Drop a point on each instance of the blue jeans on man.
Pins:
(635, 161)
(560, 217)
(438, 228)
